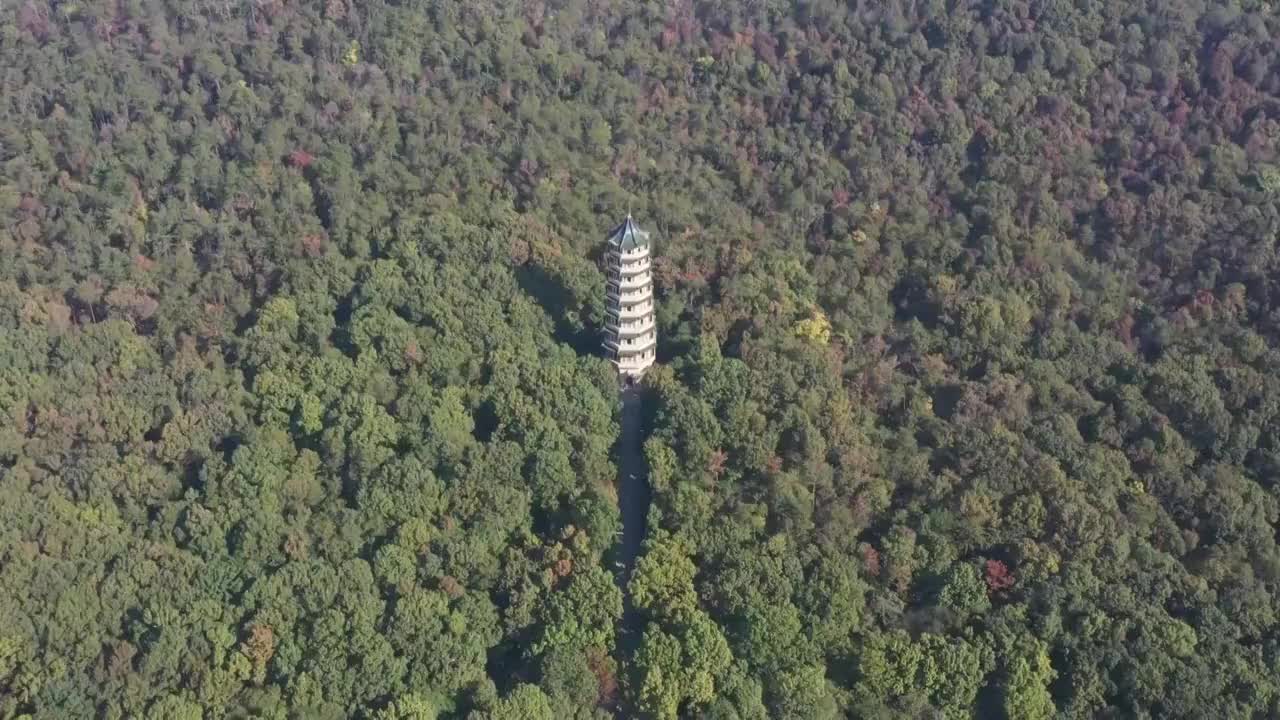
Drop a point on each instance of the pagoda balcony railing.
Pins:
(629, 271)
(629, 279)
(630, 346)
(634, 364)
(630, 329)
(633, 296)
(638, 292)
(636, 321)
(633, 281)
(643, 359)
(630, 255)
(630, 341)
(630, 312)
(615, 264)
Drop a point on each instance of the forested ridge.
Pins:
(966, 403)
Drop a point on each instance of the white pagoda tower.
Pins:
(631, 337)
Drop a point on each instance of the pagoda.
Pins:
(630, 335)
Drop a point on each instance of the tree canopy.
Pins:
(964, 404)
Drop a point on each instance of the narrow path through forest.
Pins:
(633, 505)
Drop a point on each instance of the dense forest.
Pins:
(963, 406)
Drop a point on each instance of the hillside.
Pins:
(966, 403)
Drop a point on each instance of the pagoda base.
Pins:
(632, 370)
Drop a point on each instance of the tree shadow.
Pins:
(555, 298)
